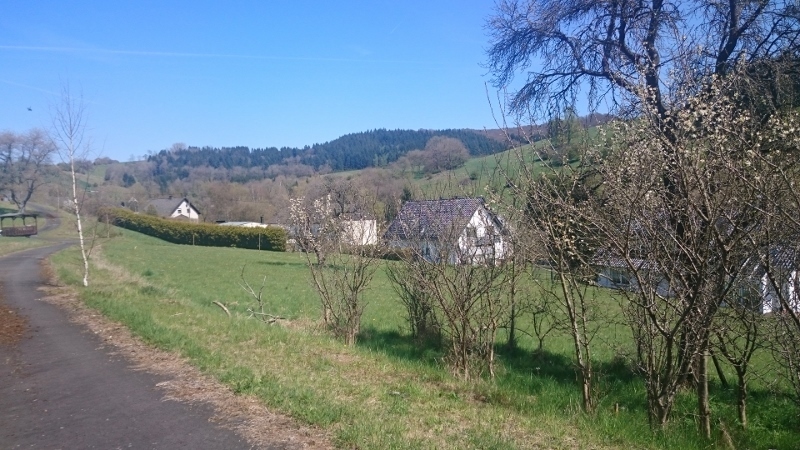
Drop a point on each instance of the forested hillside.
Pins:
(355, 151)
(240, 183)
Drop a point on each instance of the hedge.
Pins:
(209, 235)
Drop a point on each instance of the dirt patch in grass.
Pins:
(246, 415)
(13, 326)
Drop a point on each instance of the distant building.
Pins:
(462, 230)
(243, 224)
(615, 272)
(360, 231)
(171, 208)
(754, 287)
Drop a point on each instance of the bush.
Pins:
(270, 238)
(397, 254)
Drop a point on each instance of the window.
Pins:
(472, 232)
(619, 277)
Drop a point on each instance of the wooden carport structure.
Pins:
(15, 230)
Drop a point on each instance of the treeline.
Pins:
(355, 151)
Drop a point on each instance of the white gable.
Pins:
(184, 209)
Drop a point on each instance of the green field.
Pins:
(386, 392)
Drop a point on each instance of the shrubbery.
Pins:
(271, 238)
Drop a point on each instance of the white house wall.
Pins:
(480, 221)
(186, 210)
(361, 232)
(771, 301)
(622, 278)
(467, 249)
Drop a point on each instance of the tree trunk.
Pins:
(82, 242)
(326, 315)
(586, 389)
(658, 411)
(512, 331)
(741, 399)
(704, 411)
(720, 373)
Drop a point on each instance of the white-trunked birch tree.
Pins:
(69, 134)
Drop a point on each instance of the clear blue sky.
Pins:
(260, 74)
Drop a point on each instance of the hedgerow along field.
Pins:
(386, 392)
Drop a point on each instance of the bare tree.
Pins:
(346, 258)
(412, 287)
(664, 62)
(738, 334)
(444, 153)
(518, 297)
(684, 264)
(636, 50)
(460, 281)
(69, 129)
(559, 215)
(24, 159)
(775, 153)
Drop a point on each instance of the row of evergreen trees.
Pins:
(350, 152)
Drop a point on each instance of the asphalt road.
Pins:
(60, 389)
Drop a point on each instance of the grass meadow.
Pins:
(387, 392)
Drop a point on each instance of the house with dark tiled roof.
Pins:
(616, 272)
(171, 208)
(462, 230)
(767, 283)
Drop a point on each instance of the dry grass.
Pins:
(13, 326)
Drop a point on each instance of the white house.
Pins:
(771, 302)
(615, 273)
(463, 230)
(360, 231)
(754, 286)
(172, 208)
(243, 224)
(784, 272)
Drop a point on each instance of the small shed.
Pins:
(19, 224)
